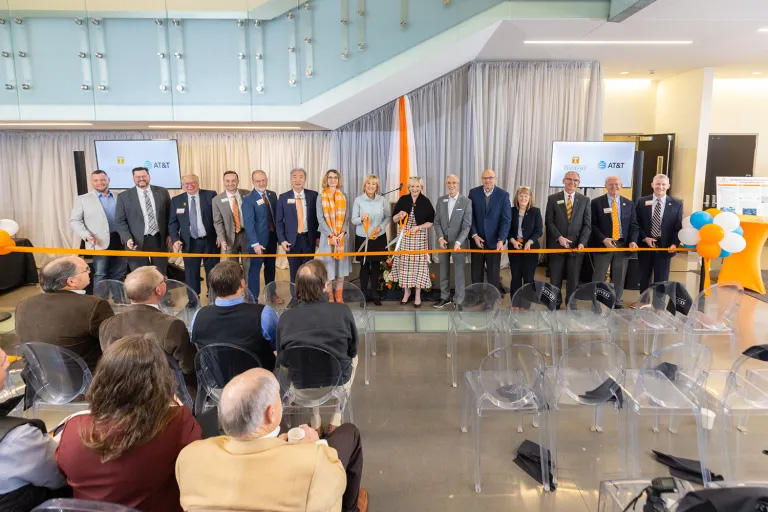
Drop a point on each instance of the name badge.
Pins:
(225, 200)
(649, 203)
(179, 210)
(458, 209)
(260, 202)
(291, 201)
(561, 201)
(445, 200)
(607, 210)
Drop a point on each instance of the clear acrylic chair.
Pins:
(671, 382)
(249, 297)
(279, 295)
(57, 376)
(182, 393)
(365, 320)
(737, 395)
(588, 312)
(310, 378)
(72, 505)
(591, 374)
(180, 301)
(478, 312)
(716, 312)
(532, 313)
(512, 379)
(113, 292)
(215, 365)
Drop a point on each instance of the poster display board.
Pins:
(742, 195)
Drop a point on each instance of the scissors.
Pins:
(403, 232)
(364, 246)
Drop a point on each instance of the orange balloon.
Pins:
(708, 250)
(711, 233)
(713, 211)
(5, 242)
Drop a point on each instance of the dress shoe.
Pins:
(417, 306)
(376, 300)
(441, 303)
(330, 296)
(362, 500)
(339, 295)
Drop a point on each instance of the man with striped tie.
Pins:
(569, 223)
(660, 218)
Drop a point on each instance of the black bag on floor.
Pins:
(733, 499)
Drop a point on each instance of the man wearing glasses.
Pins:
(569, 224)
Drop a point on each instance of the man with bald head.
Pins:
(308, 474)
(63, 315)
(259, 213)
(192, 230)
(453, 220)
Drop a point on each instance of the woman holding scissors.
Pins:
(332, 221)
(415, 215)
(370, 215)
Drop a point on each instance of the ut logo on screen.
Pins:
(602, 164)
(121, 160)
(574, 160)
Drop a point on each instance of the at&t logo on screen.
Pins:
(602, 164)
(147, 164)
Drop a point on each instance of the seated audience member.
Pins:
(145, 287)
(231, 320)
(317, 323)
(63, 315)
(28, 472)
(296, 477)
(125, 449)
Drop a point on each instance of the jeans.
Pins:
(110, 267)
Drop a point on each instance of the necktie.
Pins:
(300, 213)
(616, 231)
(151, 221)
(236, 214)
(451, 205)
(569, 208)
(193, 217)
(656, 225)
(269, 211)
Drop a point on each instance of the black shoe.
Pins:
(416, 306)
(441, 303)
(618, 306)
(376, 300)
(459, 307)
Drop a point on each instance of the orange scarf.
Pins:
(335, 212)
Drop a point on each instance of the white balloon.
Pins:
(733, 242)
(689, 236)
(687, 222)
(727, 220)
(11, 226)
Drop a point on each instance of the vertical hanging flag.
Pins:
(402, 151)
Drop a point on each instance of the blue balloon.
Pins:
(724, 253)
(699, 219)
(739, 231)
(689, 246)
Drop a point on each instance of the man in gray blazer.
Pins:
(231, 234)
(142, 219)
(569, 224)
(453, 221)
(93, 220)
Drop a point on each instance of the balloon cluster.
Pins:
(714, 233)
(8, 228)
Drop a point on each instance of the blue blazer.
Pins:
(286, 220)
(492, 225)
(533, 226)
(602, 224)
(671, 221)
(256, 217)
(178, 223)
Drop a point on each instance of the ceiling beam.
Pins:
(623, 9)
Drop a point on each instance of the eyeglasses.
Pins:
(87, 269)
(165, 279)
(574, 180)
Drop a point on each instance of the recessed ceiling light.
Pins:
(624, 42)
(764, 29)
(757, 72)
(624, 73)
(218, 127)
(45, 124)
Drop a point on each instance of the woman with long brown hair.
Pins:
(124, 451)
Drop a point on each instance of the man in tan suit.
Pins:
(144, 287)
(227, 206)
(63, 315)
(281, 477)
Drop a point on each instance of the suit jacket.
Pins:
(532, 226)
(223, 220)
(66, 319)
(142, 319)
(457, 228)
(257, 217)
(311, 476)
(577, 230)
(286, 221)
(671, 221)
(178, 223)
(88, 218)
(602, 223)
(491, 225)
(130, 220)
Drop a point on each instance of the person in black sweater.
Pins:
(524, 232)
(315, 322)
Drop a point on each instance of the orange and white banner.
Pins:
(402, 150)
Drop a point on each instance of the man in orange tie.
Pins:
(296, 221)
(228, 217)
(614, 225)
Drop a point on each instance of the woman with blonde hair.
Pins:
(524, 233)
(370, 215)
(332, 221)
(416, 215)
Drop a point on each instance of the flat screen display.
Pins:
(118, 157)
(594, 161)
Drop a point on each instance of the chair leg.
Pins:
(544, 451)
(478, 486)
(631, 338)
(655, 426)
(621, 431)
(646, 343)
(552, 424)
(597, 425)
(674, 422)
(702, 437)
(726, 429)
(734, 353)
(467, 406)
(368, 349)
(634, 463)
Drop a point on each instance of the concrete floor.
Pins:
(417, 459)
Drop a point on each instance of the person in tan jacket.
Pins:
(252, 468)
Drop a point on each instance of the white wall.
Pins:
(629, 106)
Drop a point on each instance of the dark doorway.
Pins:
(658, 158)
(727, 155)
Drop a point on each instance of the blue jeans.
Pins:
(110, 267)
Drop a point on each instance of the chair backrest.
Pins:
(182, 393)
(675, 375)
(748, 379)
(514, 377)
(481, 307)
(250, 298)
(656, 305)
(591, 304)
(180, 301)
(218, 363)
(314, 371)
(355, 299)
(718, 304)
(278, 295)
(589, 365)
(71, 505)
(56, 374)
(112, 291)
(532, 306)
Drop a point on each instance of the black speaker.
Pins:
(637, 176)
(81, 173)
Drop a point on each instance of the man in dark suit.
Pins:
(614, 225)
(569, 223)
(261, 231)
(660, 218)
(296, 221)
(142, 219)
(491, 218)
(192, 230)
